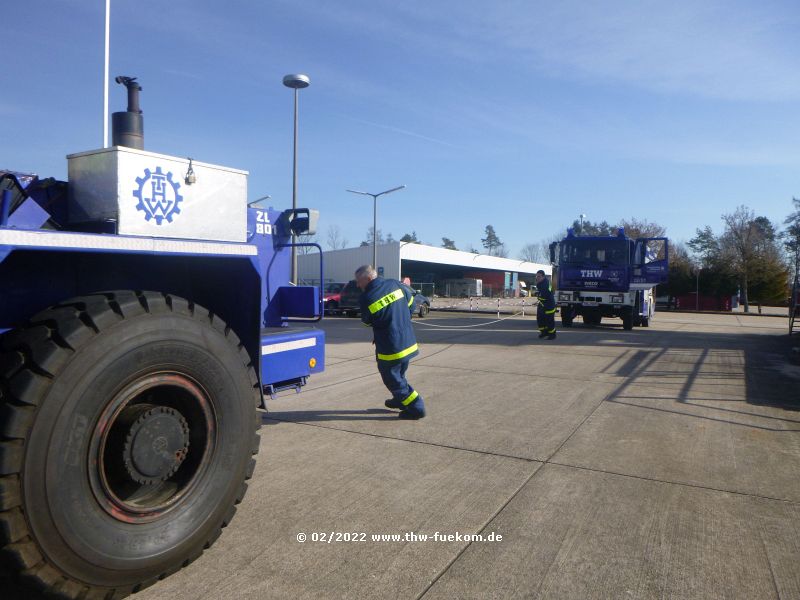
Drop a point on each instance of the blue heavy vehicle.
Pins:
(144, 316)
(608, 276)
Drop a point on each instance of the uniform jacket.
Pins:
(386, 307)
(546, 294)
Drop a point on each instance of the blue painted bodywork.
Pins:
(609, 263)
(250, 292)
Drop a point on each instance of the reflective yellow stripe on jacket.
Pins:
(399, 355)
(385, 301)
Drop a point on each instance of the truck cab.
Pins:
(608, 276)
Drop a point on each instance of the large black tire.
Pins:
(127, 429)
(424, 309)
(566, 316)
(627, 319)
(591, 317)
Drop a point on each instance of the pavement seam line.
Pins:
(323, 387)
(400, 439)
(668, 482)
(543, 462)
(769, 560)
(574, 431)
(483, 527)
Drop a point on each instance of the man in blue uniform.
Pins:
(386, 306)
(546, 311)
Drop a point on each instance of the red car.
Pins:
(332, 296)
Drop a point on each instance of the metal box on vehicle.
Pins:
(147, 194)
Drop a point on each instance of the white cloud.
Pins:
(723, 50)
(401, 131)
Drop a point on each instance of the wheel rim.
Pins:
(151, 446)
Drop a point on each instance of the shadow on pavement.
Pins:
(309, 416)
(681, 358)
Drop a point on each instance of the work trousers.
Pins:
(546, 319)
(394, 378)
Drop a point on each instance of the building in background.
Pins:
(430, 269)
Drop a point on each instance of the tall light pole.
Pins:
(375, 219)
(697, 290)
(105, 74)
(295, 81)
(582, 217)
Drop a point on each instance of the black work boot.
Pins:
(394, 403)
(414, 411)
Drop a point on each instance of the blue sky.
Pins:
(519, 114)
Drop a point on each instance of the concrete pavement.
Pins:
(663, 462)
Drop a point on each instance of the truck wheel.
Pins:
(627, 320)
(127, 428)
(566, 316)
(591, 318)
(645, 322)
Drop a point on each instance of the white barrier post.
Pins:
(498, 308)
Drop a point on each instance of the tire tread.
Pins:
(31, 357)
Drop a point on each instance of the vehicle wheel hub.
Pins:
(156, 444)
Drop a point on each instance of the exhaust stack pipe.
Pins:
(127, 128)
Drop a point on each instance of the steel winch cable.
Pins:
(467, 326)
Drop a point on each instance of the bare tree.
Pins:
(368, 241)
(335, 239)
(635, 228)
(740, 244)
(791, 236)
(538, 252)
(530, 253)
(306, 239)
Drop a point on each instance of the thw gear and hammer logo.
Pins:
(160, 199)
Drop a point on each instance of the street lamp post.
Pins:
(375, 219)
(296, 82)
(583, 216)
(697, 290)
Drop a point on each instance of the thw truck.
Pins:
(608, 276)
(144, 315)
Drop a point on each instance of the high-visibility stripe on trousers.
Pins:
(394, 378)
